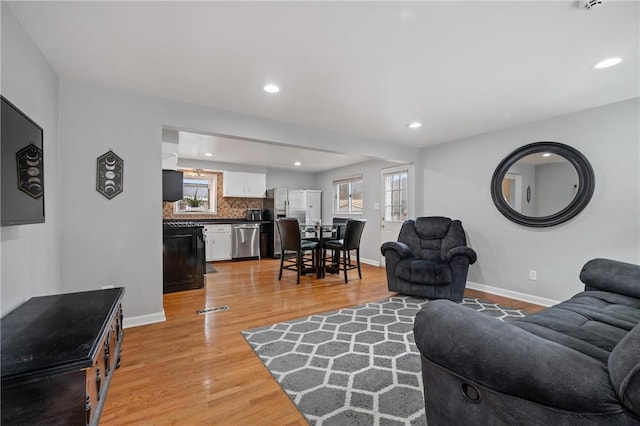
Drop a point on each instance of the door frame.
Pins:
(411, 200)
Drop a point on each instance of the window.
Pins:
(199, 195)
(395, 196)
(348, 195)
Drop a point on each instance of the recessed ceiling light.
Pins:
(271, 88)
(607, 63)
(297, 163)
(208, 154)
(414, 125)
(546, 154)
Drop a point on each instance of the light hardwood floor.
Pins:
(198, 369)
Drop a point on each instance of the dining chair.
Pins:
(344, 246)
(340, 225)
(291, 241)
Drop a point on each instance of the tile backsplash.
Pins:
(228, 207)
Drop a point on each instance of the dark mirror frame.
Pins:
(586, 184)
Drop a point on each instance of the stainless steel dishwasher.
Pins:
(245, 241)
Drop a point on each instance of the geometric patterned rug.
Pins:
(354, 366)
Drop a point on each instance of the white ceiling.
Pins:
(193, 146)
(363, 68)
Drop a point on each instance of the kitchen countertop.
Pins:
(220, 221)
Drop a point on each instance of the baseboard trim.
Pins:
(512, 294)
(144, 320)
(370, 262)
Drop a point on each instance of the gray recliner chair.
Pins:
(430, 259)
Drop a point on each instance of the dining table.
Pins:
(320, 233)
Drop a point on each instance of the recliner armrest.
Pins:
(611, 275)
(402, 249)
(498, 355)
(463, 251)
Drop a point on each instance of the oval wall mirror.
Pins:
(542, 184)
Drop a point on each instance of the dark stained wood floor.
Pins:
(198, 369)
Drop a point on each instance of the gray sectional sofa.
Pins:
(575, 363)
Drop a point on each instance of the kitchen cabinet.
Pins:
(246, 185)
(182, 258)
(217, 242)
(59, 354)
(172, 185)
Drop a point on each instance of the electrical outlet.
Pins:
(533, 275)
(105, 287)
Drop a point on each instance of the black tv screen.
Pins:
(22, 167)
(172, 185)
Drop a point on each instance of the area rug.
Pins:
(210, 269)
(355, 366)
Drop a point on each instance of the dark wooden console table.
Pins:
(58, 356)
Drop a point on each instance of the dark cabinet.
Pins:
(266, 239)
(58, 356)
(172, 185)
(182, 259)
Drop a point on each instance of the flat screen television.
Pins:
(172, 185)
(22, 160)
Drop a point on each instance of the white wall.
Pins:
(556, 186)
(219, 166)
(194, 118)
(290, 179)
(30, 253)
(372, 190)
(456, 183)
(119, 241)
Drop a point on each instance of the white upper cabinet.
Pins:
(241, 184)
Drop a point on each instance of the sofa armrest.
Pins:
(613, 276)
(468, 252)
(402, 249)
(512, 361)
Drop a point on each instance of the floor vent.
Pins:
(214, 309)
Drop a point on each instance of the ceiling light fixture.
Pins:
(546, 154)
(271, 88)
(414, 125)
(208, 154)
(607, 63)
(297, 163)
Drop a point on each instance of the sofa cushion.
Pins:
(624, 369)
(424, 271)
(591, 322)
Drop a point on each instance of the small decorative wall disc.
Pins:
(29, 164)
(109, 174)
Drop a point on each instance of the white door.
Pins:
(397, 201)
